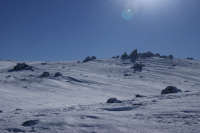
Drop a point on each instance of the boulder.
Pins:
(127, 74)
(113, 100)
(30, 123)
(124, 56)
(58, 74)
(21, 67)
(88, 58)
(45, 75)
(139, 96)
(170, 89)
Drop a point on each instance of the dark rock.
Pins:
(138, 67)
(88, 58)
(89, 116)
(126, 74)
(8, 76)
(21, 67)
(141, 76)
(30, 123)
(146, 54)
(170, 89)
(163, 56)
(25, 86)
(154, 101)
(43, 63)
(171, 57)
(133, 56)
(121, 108)
(113, 100)
(124, 56)
(45, 75)
(187, 91)
(139, 96)
(93, 57)
(74, 79)
(1, 111)
(115, 57)
(15, 130)
(58, 74)
(18, 109)
(126, 63)
(190, 58)
(157, 55)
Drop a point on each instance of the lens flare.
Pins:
(127, 14)
(143, 6)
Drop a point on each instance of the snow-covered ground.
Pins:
(76, 101)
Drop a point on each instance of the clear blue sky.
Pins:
(73, 29)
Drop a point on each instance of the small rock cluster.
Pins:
(21, 67)
(15, 130)
(134, 55)
(47, 74)
(88, 58)
(167, 90)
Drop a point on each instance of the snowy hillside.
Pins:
(75, 100)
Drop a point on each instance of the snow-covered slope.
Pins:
(76, 101)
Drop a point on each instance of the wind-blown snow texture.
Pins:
(76, 101)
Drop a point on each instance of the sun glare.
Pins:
(146, 4)
(132, 7)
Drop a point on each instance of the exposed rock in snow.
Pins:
(15, 130)
(58, 74)
(21, 67)
(170, 89)
(30, 123)
(75, 102)
(88, 58)
(113, 100)
(139, 96)
(45, 75)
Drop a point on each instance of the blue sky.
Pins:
(72, 29)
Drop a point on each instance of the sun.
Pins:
(147, 4)
(132, 7)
